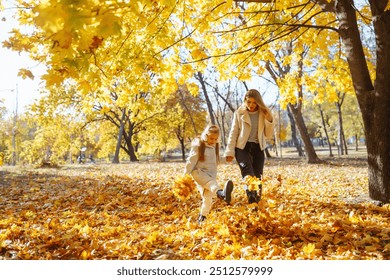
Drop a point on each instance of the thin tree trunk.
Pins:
(180, 136)
(311, 155)
(118, 143)
(294, 133)
(345, 142)
(326, 131)
(200, 78)
(356, 143)
(340, 133)
(183, 150)
(188, 110)
(275, 146)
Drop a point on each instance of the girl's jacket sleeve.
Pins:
(192, 158)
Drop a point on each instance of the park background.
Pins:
(88, 166)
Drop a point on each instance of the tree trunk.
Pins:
(180, 136)
(374, 101)
(183, 150)
(129, 143)
(311, 155)
(183, 103)
(356, 143)
(294, 133)
(118, 143)
(275, 146)
(222, 114)
(326, 131)
(200, 78)
(377, 120)
(345, 142)
(340, 119)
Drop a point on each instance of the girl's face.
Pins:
(212, 138)
(251, 104)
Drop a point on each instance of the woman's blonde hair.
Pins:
(255, 94)
(210, 129)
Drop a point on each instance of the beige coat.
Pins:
(241, 128)
(202, 171)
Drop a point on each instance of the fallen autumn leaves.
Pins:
(128, 211)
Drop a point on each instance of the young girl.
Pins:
(202, 165)
(252, 124)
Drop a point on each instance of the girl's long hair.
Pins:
(210, 129)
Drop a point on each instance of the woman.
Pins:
(252, 123)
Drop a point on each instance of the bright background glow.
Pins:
(10, 63)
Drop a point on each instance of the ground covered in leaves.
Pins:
(128, 211)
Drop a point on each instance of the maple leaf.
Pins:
(63, 39)
(353, 218)
(25, 73)
(96, 43)
(110, 24)
(52, 79)
(308, 248)
(198, 54)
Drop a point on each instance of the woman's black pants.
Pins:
(250, 160)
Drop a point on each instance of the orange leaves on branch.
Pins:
(96, 42)
(24, 73)
(183, 187)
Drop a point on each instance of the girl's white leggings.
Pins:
(208, 193)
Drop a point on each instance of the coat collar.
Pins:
(244, 114)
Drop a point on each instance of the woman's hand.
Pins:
(267, 115)
(229, 158)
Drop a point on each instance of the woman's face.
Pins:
(251, 104)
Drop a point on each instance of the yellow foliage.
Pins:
(62, 38)
(129, 212)
(24, 73)
(252, 183)
(51, 16)
(183, 187)
(309, 248)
